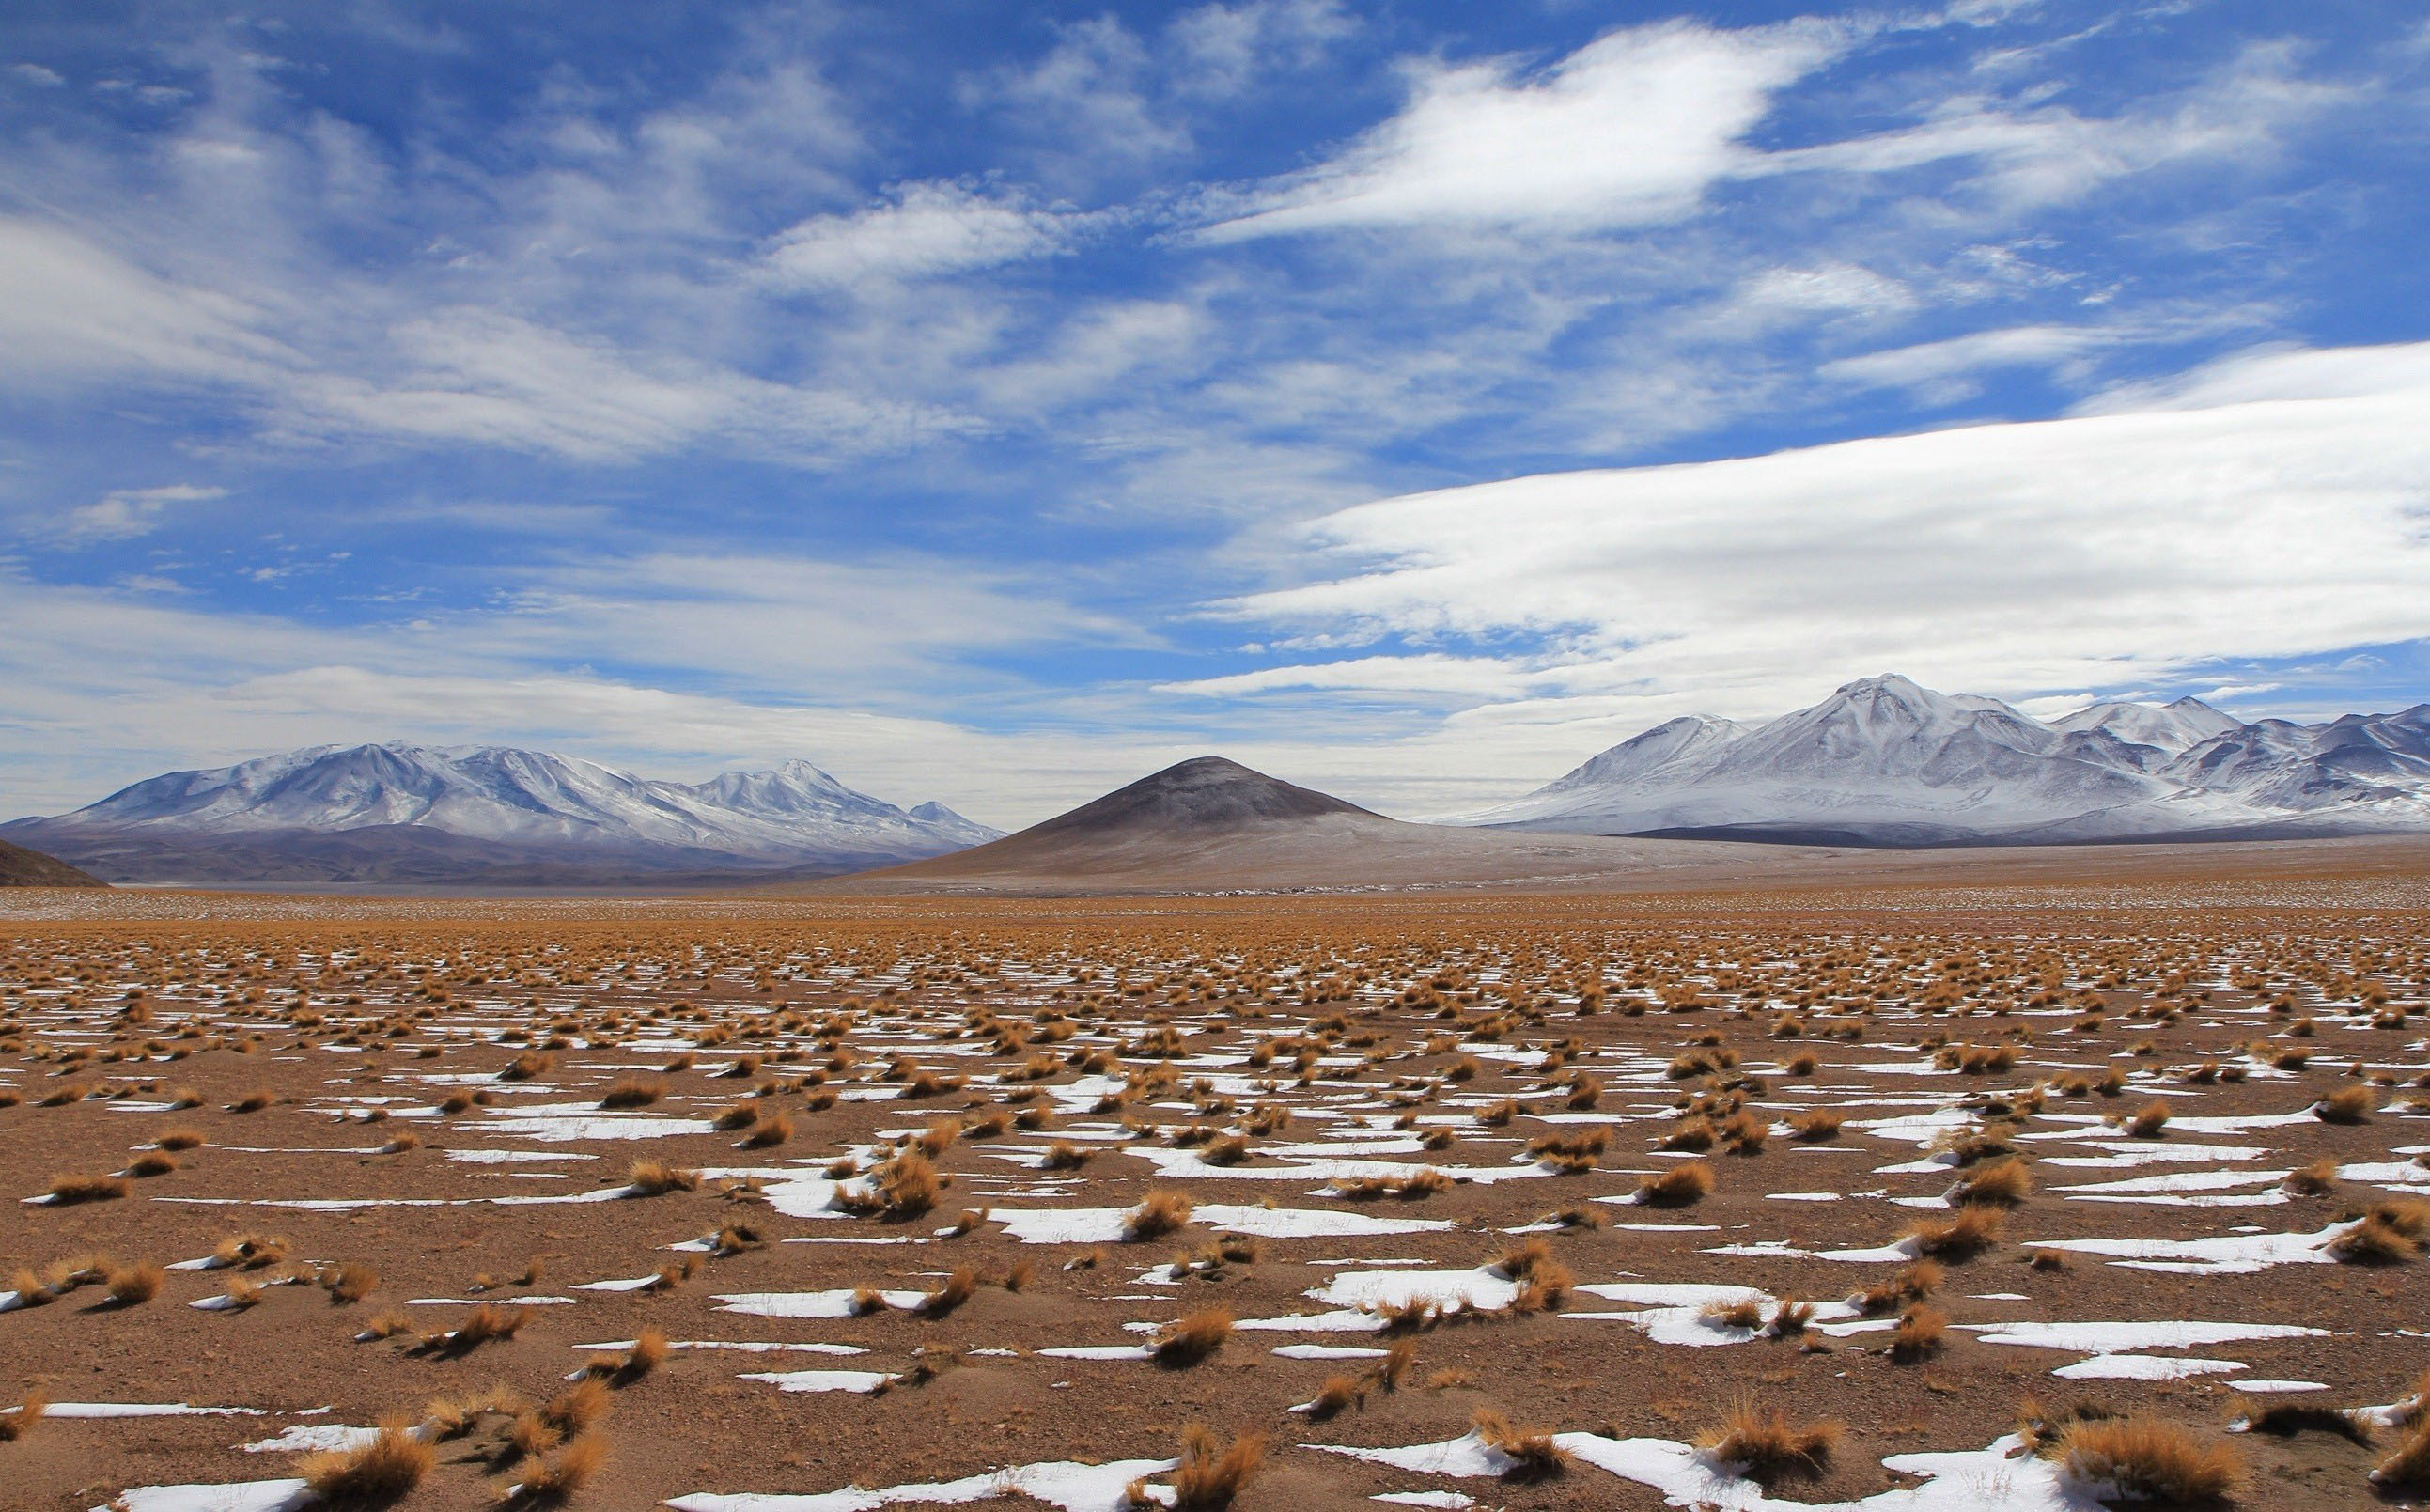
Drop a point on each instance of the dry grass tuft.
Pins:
(181, 1140)
(1337, 1395)
(1532, 1454)
(655, 1178)
(133, 1285)
(632, 1092)
(1816, 1125)
(66, 1191)
(2407, 1466)
(1162, 1211)
(770, 1133)
(1960, 1239)
(375, 1475)
(553, 1481)
(2147, 1459)
(956, 1289)
(1679, 1186)
(1210, 1474)
(1919, 1334)
(2319, 1179)
(17, 1424)
(2001, 1183)
(1768, 1447)
(2390, 1234)
(2149, 1120)
(1193, 1338)
(2347, 1104)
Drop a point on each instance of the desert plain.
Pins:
(1931, 1182)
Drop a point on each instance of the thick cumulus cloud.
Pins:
(2268, 506)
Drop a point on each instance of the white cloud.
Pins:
(125, 512)
(36, 74)
(1220, 49)
(919, 231)
(2087, 551)
(1938, 367)
(1628, 130)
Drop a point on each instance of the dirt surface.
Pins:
(1958, 1002)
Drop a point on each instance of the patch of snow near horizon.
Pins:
(1674, 1313)
(804, 1382)
(1064, 1483)
(1484, 1289)
(2119, 1338)
(2228, 1255)
(313, 1436)
(835, 1303)
(144, 1409)
(753, 1346)
(1106, 1225)
(238, 1496)
(2271, 1388)
(1997, 1478)
(2145, 1368)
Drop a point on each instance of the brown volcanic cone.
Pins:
(22, 868)
(1209, 824)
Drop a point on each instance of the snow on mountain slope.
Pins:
(530, 805)
(1885, 761)
(2170, 728)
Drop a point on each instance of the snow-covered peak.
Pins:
(1887, 760)
(503, 794)
(2174, 728)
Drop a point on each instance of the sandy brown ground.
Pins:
(323, 1003)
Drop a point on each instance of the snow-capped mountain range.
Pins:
(485, 814)
(1887, 762)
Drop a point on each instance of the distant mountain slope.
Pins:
(466, 815)
(22, 868)
(1884, 761)
(1214, 825)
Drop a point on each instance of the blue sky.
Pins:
(991, 402)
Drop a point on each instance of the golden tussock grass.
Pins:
(68, 1191)
(17, 1424)
(2347, 1104)
(1959, 1239)
(2391, 1232)
(1210, 1474)
(1768, 1447)
(1337, 1395)
(1531, 1452)
(1065, 1156)
(1745, 1313)
(1918, 1335)
(1910, 1283)
(1162, 1211)
(373, 1475)
(1816, 1125)
(951, 1293)
(181, 1139)
(655, 1178)
(2002, 1183)
(2150, 1459)
(151, 1165)
(2149, 1120)
(1679, 1186)
(770, 1133)
(253, 1101)
(2407, 1467)
(554, 1480)
(133, 1285)
(2319, 1179)
(1193, 1338)
(735, 1116)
